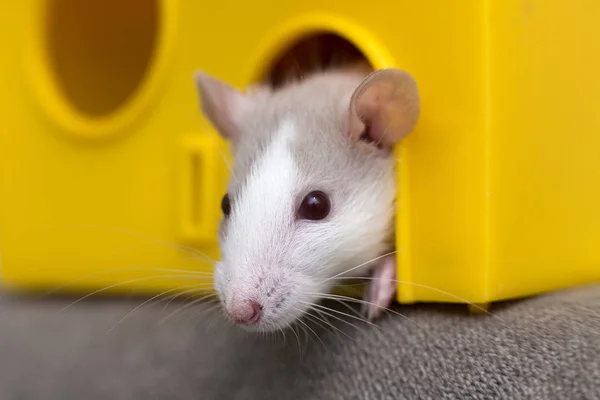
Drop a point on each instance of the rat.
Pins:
(311, 196)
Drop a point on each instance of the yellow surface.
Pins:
(102, 146)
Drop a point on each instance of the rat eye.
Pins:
(226, 205)
(315, 206)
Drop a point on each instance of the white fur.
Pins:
(259, 229)
(268, 255)
(271, 257)
(267, 197)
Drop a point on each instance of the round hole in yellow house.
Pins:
(96, 64)
(292, 45)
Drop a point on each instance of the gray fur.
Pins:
(324, 153)
(270, 257)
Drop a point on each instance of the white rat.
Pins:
(312, 192)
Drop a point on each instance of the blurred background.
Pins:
(111, 180)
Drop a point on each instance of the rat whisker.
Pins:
(305, 333)
(274, 337)
(360, 265)
(280, 329)
(351, 316)
(314, 319)
(218, 316)
(349, 285)
(228, 322)
(120, 284)
(141, 305)
(195, 288)
(323, 310)
(196, 258)
(185, 249)
(310, 329)
(461, 299)
(324, 319)
(173, 297)
(197, 274)
(193, 256)
(297, 337)
(349, 307)
(335, 296)
(207, 311)
(186, 306)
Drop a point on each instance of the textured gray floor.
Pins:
(542, 348)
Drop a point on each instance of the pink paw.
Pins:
(381, 288)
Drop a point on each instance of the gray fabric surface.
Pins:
(541, 348)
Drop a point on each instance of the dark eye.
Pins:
(226, 205)
(315, 206)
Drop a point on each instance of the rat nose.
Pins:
(245, 312)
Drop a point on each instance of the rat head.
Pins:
(311, 196)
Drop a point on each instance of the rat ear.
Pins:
(385, 107)
(222, 104)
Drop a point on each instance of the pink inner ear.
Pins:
(356, 128)
(372, 107)
(222, 104)
(388, 103)
(368, 123)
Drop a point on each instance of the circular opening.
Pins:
(313, 53)
(99, 51)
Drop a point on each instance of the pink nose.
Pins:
(245, 312)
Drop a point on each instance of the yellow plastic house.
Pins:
(110, 176)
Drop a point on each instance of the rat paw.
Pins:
(381, 289)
